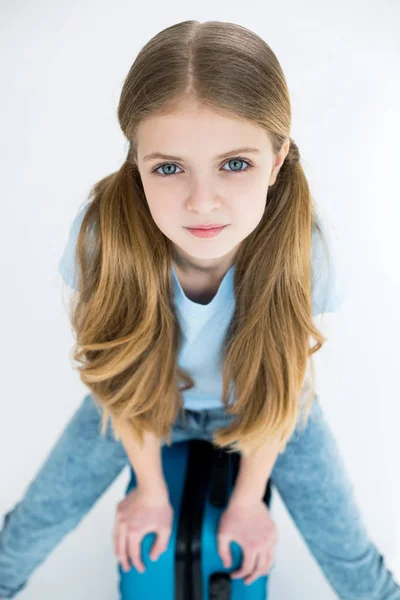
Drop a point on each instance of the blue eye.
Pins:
(231, 160)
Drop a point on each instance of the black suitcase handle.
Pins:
(207, 464)
(219, 478)
(222, 464)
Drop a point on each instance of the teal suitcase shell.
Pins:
(200, 479)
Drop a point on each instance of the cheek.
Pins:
(249, 209)
(164, 210)
(156, 198)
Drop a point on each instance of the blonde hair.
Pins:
(127, 332)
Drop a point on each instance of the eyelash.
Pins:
(247, 162)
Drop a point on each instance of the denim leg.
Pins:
(77, 471)
(312, 481)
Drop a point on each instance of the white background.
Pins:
(62, 67)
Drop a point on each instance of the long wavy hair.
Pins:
(127, 331)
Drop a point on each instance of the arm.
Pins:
(254, 472)
(145, 460)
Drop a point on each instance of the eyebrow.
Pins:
(169, 157)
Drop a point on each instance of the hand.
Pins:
(138, 514)
(250, 526)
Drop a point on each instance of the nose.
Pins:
(203, 199)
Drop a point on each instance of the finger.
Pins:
(261, 567)
(248, 563)
(224, 550)
(161, 544)
(134, 550)
(120, 543)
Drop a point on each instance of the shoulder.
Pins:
(67, 264)
(329, 284)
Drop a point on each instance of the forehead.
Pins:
(201, 129)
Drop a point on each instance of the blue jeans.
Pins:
(309, 475)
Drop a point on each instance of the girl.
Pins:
(205, 108)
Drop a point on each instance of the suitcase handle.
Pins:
(219, 479)
(222, 463)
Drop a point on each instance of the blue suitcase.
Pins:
(200, 479)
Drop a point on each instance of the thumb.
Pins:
(161, 544)
(224, 550)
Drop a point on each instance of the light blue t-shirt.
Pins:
(204, 326)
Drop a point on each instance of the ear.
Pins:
(279, 159)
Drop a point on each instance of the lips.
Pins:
(212, 226)
(206, 233)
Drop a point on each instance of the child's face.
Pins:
(201, 188)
